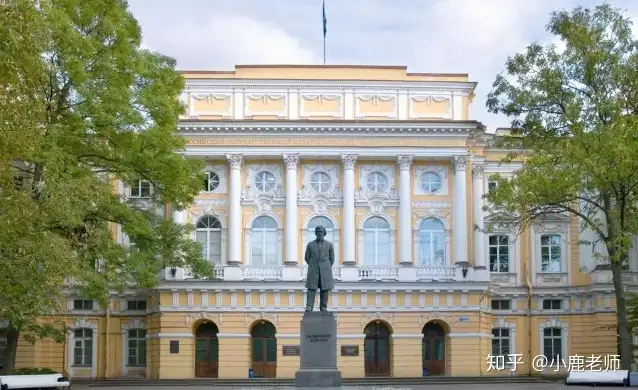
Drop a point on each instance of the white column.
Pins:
(478, 191)
(460, 211)
(405, 211)
(348, 228)
(234, 204)
(290, 233)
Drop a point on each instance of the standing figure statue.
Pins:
(320, 257)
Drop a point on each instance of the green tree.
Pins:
(83, 107)
(575, 122)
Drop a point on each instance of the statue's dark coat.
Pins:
(320, 264)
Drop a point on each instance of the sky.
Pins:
(437, 36)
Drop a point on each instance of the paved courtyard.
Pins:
(503, 386)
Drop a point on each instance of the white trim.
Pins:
(554, 323)
(305, 97)
(447, 233)
(136, 323)
(554, 226)
(501, 323)
(514, 250)
(441, 171)
(170, 336)
(406, 335)
(299, 309)
(248, 238)
(469, 335)
(221, 170)
(419, 152)
(361, 240)
(82, 323)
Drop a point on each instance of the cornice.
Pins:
(237, 85)
(457, 128)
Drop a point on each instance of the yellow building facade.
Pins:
(395, 169)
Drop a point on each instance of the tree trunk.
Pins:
(626, 343)
(9, 357)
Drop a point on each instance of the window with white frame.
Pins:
(377, 182)
(501, 342)
(552, 304)
(431, 242)
(82, 304)
(551, 253)
(431, 183)
(141, 189)
(320, 221)
(264, 242)
(83, 347)
(320, 182)
(553, 344)
(211, 181)
(491, 185)
(376, 242)
(499, 253)
(208, 233)
(501, 304)
(136, 344)
(265, 181)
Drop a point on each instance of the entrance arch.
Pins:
(264, 350)
(433, 348)
(376, 349)
(207, 350)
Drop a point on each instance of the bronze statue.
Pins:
(320, 257)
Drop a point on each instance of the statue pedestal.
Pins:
(318, 351)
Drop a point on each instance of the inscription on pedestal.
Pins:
(318, 338)
(318, 360)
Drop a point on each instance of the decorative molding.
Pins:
(390, 318)
(376, 99)
(460, 163)
(235, 161)
(250, 318)
(265, 99)
(252, 196)
(189, 319)
(404, 162)
(209, 207)
(291, 161)
(432, 204)
(211, 98)
(82, 323)
(441, 171)
(304, 113)
(348, 161)
(448, 318)
(478, 170)
(321, 202)
(220, 171)
(136, 323)
(429, 99)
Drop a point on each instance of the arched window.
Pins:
(264, 241)
(431, 242)
(376, 242)
(321, 221)
(209, 234)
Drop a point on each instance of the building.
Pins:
(393, 166)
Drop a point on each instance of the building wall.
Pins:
(318, 115)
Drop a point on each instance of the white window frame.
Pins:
(72, 306)
(208, 232)
(207, 176)
(558, 226)
(136, 323)
(249, 240)
(361, 241)
(498, 255)
(388, 184)
(501, 323)
(428, 192)
(81, 323)
(138, 186)
(554, 323)
(446, 241)
(320, 173)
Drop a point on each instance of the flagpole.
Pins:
(325, 30)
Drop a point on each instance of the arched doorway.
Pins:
(376, 349)
(207, 351)
(264, 350)
(433, 348)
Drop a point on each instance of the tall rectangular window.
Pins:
(499, 253)
(501, 342)
(553, 344)
(83, 347)
(136, 347)
(551, 253)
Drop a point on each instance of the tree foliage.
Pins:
(83, 106)
(575, 122)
